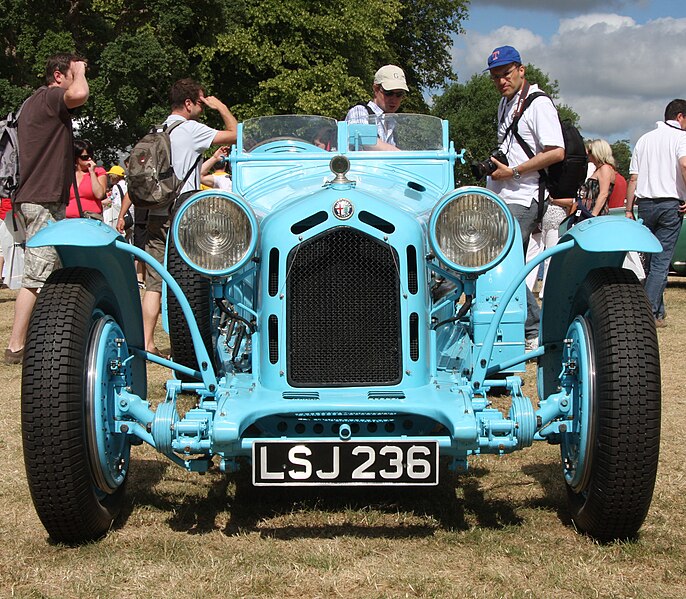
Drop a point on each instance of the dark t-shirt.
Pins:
(46, 157)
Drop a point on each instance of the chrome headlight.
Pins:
(471, 230)
(215, 232)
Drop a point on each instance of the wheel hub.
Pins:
(579, 377)
(108, 450)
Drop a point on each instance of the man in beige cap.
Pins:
(389, 88)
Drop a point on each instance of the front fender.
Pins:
(90, 244)
(612, 234)
(599, 242)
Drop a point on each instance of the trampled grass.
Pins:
(500, 530)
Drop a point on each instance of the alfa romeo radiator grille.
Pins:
(343, 304)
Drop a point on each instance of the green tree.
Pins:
(621, 150)
(471, 109)
(258, 56)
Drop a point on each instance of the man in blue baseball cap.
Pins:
(503, 55)
(517, 182)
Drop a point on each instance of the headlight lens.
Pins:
(214, 233)
(472, 231)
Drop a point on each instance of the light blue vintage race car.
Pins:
(342, 317)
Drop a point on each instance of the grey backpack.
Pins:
(9, 155)
(151, 180)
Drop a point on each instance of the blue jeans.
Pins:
(526, 218)
(664, 220)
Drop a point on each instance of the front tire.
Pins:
(198, 293)
(610, 455)
(76, 461)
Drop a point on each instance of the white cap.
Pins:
(391, 77)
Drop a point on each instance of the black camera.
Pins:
(486, 167)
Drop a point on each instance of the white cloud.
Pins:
(617, 74)
(564, 6)
(608, 22)
(472, 58)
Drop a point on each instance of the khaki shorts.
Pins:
(158, 227)
(39, 262)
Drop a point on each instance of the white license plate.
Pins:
(345, 463)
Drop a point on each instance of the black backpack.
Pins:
(562, 179)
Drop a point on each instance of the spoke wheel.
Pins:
(611, 446)
(76, 461)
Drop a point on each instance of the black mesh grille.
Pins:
(343, 307)
(414, 336)
(273, 272)
(273, 339)
(412, 284)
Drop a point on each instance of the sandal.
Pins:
(158, 353)
(14, 357)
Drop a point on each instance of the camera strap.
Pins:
(542, 175)
(525, 101)
(522, 104)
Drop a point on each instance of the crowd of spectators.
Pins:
(60, 178)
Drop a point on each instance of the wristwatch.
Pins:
(516, 175)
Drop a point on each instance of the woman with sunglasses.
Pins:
(91, 181)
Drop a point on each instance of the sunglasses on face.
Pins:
(388, 94)
(507, 75)
(85, 156)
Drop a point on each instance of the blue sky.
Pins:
(618, 62)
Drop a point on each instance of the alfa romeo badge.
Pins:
(343, 209)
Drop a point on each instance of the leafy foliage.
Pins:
(258, 56)
(471, 108)
(621, 150)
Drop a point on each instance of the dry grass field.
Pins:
(501, 530)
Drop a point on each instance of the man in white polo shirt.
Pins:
(658, 185)
(518, 183)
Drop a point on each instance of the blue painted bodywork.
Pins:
(597, 243)
(452, 349)
(89, 243)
